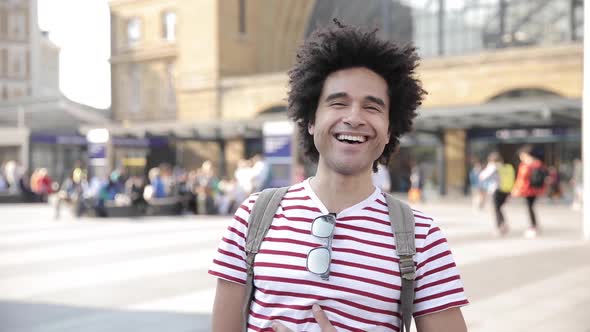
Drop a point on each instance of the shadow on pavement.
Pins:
(37, 317)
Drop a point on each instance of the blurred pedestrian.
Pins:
(478, 192)
(577, 182)
(554, 191)
(63, 196)
(12, 174)
(499, 178)
(26, 190)
(134, 188)
(381, 178)
(208, 188)
(244, 179)
(530, 184)
(416, 194)
(261, 175)
(107, 193)
(3, 183)
(43, 184)
(157, 187)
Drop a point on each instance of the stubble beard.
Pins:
(347, 168)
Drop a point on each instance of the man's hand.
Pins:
(320, 318)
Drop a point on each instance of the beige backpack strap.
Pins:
(403, 225)
(259, 222)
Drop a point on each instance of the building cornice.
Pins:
(556, 52)
(254, 80)
(160, 52)
(114, 4)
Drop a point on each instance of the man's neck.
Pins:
(338, 192)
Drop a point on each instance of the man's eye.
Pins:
(338, 104)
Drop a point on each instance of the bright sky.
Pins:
(82, 30)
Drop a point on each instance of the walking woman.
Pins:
(530, 184)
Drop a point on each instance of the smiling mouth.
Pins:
(351, 139)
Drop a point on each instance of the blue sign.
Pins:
(277, 146)
(97, 151)
(58, 139)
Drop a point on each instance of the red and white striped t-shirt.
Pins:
(363, 291)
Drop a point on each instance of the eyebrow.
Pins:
(337, 95)
(376, 100)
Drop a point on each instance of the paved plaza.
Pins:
(149, 274)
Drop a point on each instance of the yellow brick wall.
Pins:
(462, 80)
(198, 60)
(274, 30)
(245, 97)
(454, 141)
(117, 91)
(237, 54)
(197, 105)
(197, 41)
(154, 105)
(284, 24)
(152, 54)
(474, 79)
(149, 12)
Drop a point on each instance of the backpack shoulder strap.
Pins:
(259, 222)
(403, 224)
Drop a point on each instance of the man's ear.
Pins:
(310, 128)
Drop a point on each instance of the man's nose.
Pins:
(354, 116)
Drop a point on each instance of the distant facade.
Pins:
(170, 59)
(205, 74)
(38, 125)
(16, 48)
(29, 62)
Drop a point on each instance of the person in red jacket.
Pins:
(524, 187)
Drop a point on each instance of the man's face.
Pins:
(351, 123)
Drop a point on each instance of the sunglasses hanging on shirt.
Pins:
(319, 259)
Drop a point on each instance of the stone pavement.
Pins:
(518, 284)
(150, 274)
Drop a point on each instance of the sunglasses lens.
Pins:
(318, 260)
(322, 227)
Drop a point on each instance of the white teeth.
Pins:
(361, 139)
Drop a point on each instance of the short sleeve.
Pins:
(438, 282)
(229, 262)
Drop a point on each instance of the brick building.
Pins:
(204, 75)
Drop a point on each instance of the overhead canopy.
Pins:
(505, 114)
(537, 112)
(209, 130)
(55, 114)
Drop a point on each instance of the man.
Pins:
(352, 96)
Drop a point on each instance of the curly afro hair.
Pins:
(340, 47)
